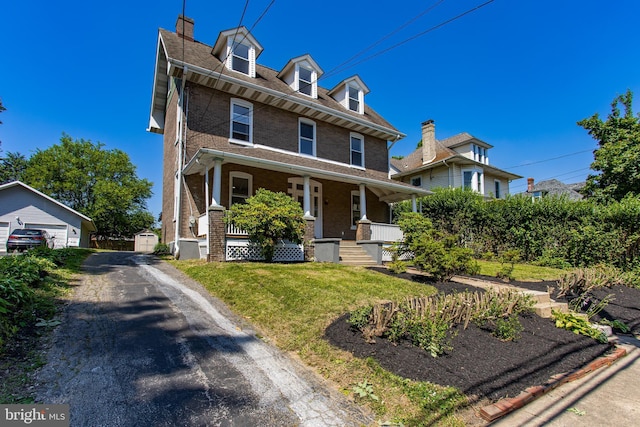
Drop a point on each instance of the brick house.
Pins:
(461, 161)
(232, 126)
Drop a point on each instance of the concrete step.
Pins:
(545, 309)
(352, 254)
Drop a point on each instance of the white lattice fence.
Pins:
(387, 254)
(243, 250)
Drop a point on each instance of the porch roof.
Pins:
(386, 189)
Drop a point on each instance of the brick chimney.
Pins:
(428, 141)
(530, 185)
(184, 27)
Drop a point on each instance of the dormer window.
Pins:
(302, 74)
(237, 49)
(240, 57)
(350, 93)
(305, 81)
(354, 99)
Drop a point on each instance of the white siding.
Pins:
(4, 235)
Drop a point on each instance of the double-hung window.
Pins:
(355, 209)
(307, 137)
(473, 179)
(497, 193)
(240, 57)
(354, 98)
(305, 81)
(241, 122)
(357, 150)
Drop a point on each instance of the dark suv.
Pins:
(27, 238)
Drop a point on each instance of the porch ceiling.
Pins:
(385, 189)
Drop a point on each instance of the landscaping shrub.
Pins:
(434, 252)
(428, 322)
(161, 249)
(550, 231)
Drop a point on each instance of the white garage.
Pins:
(4, 235)
(58, 232)
(22, 206)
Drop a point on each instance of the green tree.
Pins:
(1, 108)
(269, 218)
(12, 167)
(617, 158)
(101, 184)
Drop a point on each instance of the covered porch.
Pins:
(351, 204)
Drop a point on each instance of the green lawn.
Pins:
(522, 272)
(292, 304)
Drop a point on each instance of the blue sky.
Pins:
(516, 74)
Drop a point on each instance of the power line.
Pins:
(548, 160)
(435, 27)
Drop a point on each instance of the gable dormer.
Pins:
(350, 94)
(237, 49)
(302, 74)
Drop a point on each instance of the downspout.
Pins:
(176, 241)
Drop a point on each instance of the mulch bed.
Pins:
(482, 366)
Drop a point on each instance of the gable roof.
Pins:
(553, 187)
(413, 163)
(88, 222)
(205, 69)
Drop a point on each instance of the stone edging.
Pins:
(504, 406)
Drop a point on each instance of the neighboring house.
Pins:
(22, 206)
(461, 161)
(553, 187)
(231, 126)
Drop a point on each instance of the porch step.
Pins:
(352, 254)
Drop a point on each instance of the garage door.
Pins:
(4, 235)
(146, 242)
(59, 232)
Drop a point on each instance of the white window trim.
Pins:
(477, 179)
(352, 210)
(244, 175)
(243, 103)
(314, 79)
(361, 138)
(499, 185)
(314, 151)
(230, 54)
(347, 98)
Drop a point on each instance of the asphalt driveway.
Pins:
(142, 345)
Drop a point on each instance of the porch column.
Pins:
(307, 197)
(414, 206)
(207, 195)
(363, 202)
(309, 235)
(217, 237)
(217, 182)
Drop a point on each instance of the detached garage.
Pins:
(22, 206)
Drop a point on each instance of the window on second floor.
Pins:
(357, 150)
(241, 122)
(497, 193)
(480, 154)
(416, 181)
(307, 137)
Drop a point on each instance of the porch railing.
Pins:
(386, 232)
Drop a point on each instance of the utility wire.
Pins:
(435, 27)
(548, 160)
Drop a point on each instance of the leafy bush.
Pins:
(435, 253)
(27, 268)
(578, 325)
(161, 249)
(269, 218)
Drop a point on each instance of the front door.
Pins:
(296, 191)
